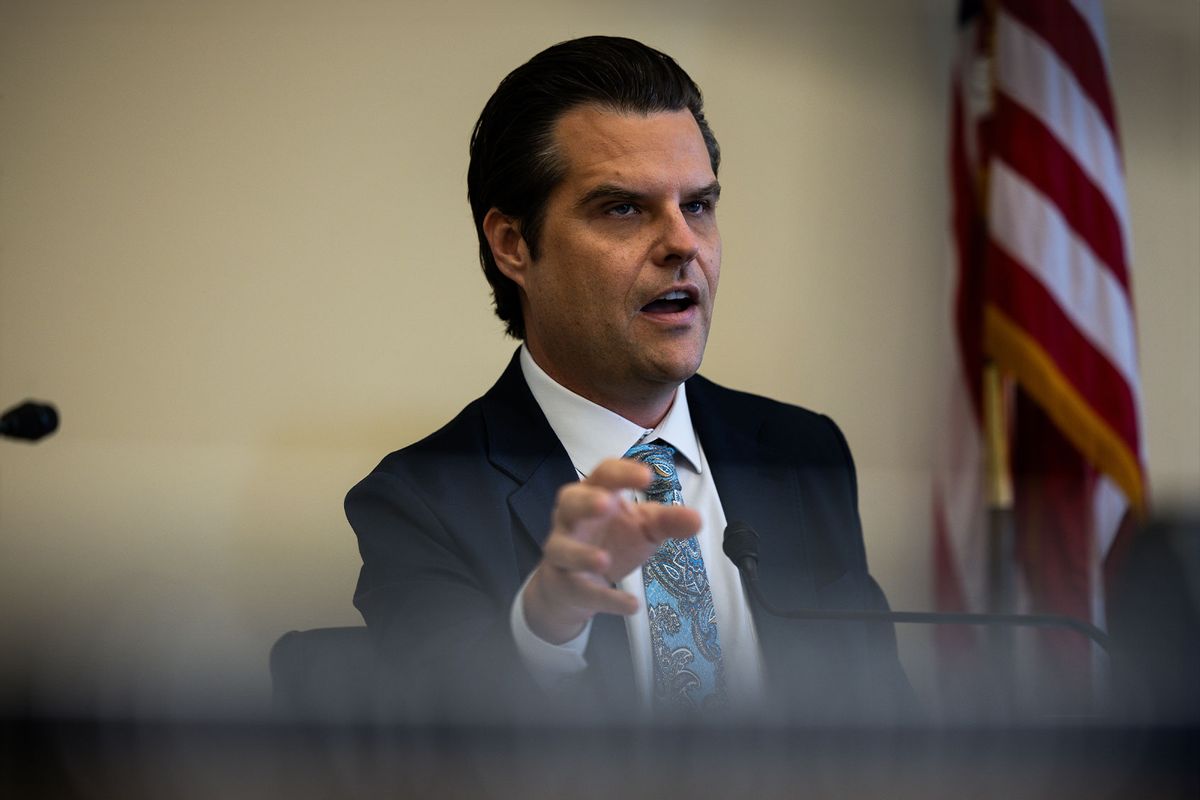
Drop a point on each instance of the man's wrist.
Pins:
(552, 666)
(541, 612)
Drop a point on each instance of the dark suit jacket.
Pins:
(450, 527)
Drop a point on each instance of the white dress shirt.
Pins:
(590, 434)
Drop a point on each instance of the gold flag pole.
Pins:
(1001, 534)
(999, 494)
(1000, 596)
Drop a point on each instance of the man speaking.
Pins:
(559, 541)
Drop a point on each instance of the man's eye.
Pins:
(697, 206)
(622, 210)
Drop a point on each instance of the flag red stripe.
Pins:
(967, 228)
(1028, 146)
(1054, 487)
(1054, 505)
(1068, 34)
(1023, 298)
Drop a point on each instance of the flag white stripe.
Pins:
(1108, 507)
(1028, 70)
(1030, 227)
(960, 471)
(1094, 17)
(959, 467)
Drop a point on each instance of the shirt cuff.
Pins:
(551, 665)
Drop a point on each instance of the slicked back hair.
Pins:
(514, 162)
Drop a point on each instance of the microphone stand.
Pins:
(932, 617)
(741, 546)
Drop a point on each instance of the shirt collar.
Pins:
(591, 433)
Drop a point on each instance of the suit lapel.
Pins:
(522, 445)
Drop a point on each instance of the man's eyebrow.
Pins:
(711, 192)
(609, 192)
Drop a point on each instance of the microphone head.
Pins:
(741, 544)
(30, 421)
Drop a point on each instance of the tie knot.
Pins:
(664, 488)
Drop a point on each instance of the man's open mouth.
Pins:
(669, 303)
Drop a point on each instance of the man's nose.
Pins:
(678, 243)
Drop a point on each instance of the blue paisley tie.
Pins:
(688, 671)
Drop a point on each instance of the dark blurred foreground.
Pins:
(77, 759)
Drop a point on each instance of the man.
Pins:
(516, 547)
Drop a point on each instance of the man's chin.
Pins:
(674, 368)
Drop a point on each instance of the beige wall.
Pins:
(235, 250)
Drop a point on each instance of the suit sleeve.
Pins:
(441, 634)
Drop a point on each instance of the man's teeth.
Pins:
(671, 302)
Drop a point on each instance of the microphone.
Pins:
(741, 546)
(29, 421)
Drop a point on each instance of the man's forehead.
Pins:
(598, 144)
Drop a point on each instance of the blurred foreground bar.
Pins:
(68, 759)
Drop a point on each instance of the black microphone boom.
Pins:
(741, 545)
(29, 421)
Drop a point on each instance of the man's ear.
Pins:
(508, 246)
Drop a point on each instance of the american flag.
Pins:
(1041, 255)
